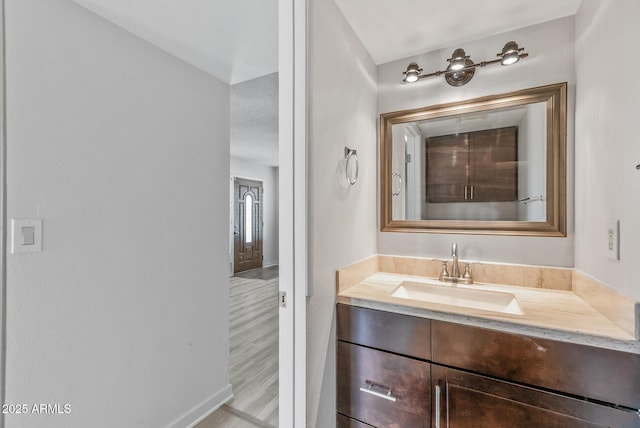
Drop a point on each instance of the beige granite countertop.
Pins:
(551, 313)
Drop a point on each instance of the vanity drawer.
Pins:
(382, 389)
(345, 422)
(585, 371)
(401, 334)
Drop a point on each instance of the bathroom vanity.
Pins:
(407, 363)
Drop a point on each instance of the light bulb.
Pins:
(509, 59)
(457, 64)
(458, 60)
(412, 77)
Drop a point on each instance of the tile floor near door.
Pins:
(253, 352)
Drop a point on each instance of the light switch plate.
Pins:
(613, 240)
(26, 235)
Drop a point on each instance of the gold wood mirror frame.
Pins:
(554, 98)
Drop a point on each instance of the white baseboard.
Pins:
(204, 409)
(265, 265)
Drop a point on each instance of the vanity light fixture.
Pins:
(412, 74)
(461, 68)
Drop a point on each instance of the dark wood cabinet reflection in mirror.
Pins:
(489, 165)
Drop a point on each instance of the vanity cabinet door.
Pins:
(580, 370)
(493, 172)
(382, 389)
(478, 166)
(465, 400)
(448, 168)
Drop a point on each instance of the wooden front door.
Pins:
(247, 225)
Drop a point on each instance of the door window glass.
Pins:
(248, 218)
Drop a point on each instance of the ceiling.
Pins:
(392, 30)
(254, 120)
(236, 41)
(233, 40)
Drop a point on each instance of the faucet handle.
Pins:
(467, 273)
(444, 272)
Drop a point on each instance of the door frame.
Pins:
(292, 212)
(3, 212)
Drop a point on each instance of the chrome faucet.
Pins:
(455, 270)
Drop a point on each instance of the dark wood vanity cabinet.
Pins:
(450, 375)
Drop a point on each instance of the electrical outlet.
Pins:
(613, 240)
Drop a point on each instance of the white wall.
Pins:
(551, 49)
(607, 147)
(342, 223)
(269, 177)
(123, 150)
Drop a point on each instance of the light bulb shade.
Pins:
(412, 74)
(510, 53)
(460, 70)
(457, 60)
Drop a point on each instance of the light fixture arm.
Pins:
(467, 68)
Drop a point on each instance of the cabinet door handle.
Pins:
(472, 191)
(372, 387)
(465, 192)
(437, 412)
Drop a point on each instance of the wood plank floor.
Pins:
(253, 352)
(224, 417)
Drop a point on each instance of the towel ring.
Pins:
(399, 177)
(349, 154)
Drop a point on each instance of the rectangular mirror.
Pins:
(490, 165)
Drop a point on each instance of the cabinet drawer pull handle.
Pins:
(372, 387)
(437, 406)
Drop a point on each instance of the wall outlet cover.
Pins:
(26, 235)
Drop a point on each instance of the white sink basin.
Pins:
(454, 295)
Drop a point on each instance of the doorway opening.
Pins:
(253, 300)
(254, 315)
